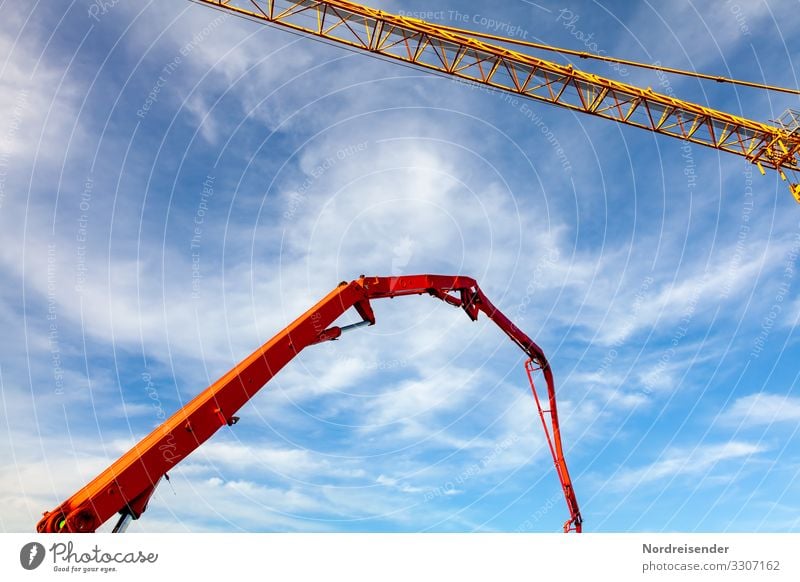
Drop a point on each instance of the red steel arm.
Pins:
(472, 300)
(126, 486)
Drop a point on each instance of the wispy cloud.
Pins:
(684, 462)
(762, 409)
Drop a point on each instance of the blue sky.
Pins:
(659, 278)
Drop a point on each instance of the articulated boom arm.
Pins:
(126, 486)
(458, 54)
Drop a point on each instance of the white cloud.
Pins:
(40, 470)
(762, 409)
(396, 484)
(195, 504)
(293, 464)
(38, 102)
(414, 397)
(793, 315)
(696, 461)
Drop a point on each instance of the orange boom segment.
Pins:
(126, 486)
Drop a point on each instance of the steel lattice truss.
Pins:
(426, 45)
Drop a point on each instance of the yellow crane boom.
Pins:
(452, 52)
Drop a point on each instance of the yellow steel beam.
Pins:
(447, 51)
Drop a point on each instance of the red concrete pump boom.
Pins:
(126, 486)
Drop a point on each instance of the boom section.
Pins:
(126, 486)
